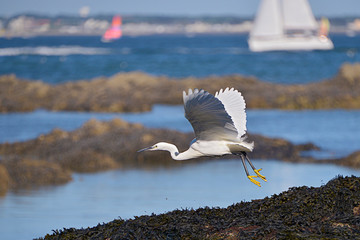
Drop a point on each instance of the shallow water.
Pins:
(335, 131)
(95, 198)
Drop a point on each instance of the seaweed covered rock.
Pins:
(353, 160)
(348, 76)
(26, 173)
(22, 95)
(124, 92)
(278, 148)
(99, 146)
(4, 180)
(327, 212)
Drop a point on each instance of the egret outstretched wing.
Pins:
(208, 116)
(234, 104)
(219, 124)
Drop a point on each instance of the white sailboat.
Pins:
(287, 25)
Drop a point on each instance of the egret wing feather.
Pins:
(208, 116)
(234, 105)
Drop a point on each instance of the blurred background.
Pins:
(68, 41)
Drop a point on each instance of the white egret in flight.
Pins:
(219, 123)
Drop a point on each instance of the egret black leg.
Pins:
(244, 164)
(255, 170)
(251, 178)
(247, 158)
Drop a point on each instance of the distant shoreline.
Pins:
(124, 35)
(36, 25)
(139, 34)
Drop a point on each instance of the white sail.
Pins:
(286, 25)
(268, 21)
(297, 15)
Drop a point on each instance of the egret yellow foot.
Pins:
(253, 180)
(259, 175)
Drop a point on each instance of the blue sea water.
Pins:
(61, 59)
(95, 198)
(331, 130)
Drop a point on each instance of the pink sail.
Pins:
(114, 32)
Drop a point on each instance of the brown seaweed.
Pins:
(124, 92)
(327, 212)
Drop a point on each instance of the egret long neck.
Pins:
(176, 155)
(188, 154)
(171, 148)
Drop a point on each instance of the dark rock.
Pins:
(327, 212)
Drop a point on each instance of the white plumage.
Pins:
(219, 124)
(234, 104)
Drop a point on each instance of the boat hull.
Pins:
(290, 44)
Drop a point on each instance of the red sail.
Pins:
(114, 32)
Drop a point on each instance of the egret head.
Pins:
(158, 146)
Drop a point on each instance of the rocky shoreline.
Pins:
(331, 211)
(124, 92)
(99, 146)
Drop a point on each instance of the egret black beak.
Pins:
(146, 149)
